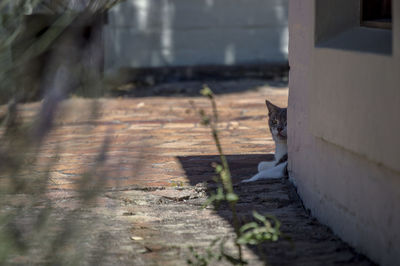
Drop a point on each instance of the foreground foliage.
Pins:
(33, 228)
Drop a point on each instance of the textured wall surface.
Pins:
(154, 33)
(344, 102)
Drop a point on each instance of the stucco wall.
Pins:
(154, 33)
(344, 107)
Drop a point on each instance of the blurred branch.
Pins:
(59, 54)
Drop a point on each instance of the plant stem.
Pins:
(226, 180)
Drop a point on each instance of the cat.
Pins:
(277, 121)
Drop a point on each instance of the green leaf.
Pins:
(218, 168)
(206, 91)
(259, 217)
(232, 197)
(224, 175)
(248, 226)
(210, 200)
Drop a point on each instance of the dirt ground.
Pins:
(158, 174)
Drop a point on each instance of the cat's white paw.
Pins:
(265, 165)
(252, 179)
(271, 173)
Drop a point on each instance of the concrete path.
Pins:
(158, 174)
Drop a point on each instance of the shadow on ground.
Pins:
(187, 81)
(310, 242)
(199, 168)
(192, 88)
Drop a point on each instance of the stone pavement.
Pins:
(158, 174)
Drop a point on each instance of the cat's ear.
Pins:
(271, 107)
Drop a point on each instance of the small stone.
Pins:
(136, 238)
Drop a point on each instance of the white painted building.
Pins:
(158, 33)
(344, 121)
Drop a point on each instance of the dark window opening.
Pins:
(376, 13)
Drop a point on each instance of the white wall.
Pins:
(344, 108)
(154, 33)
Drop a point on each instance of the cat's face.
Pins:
(277, 121)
